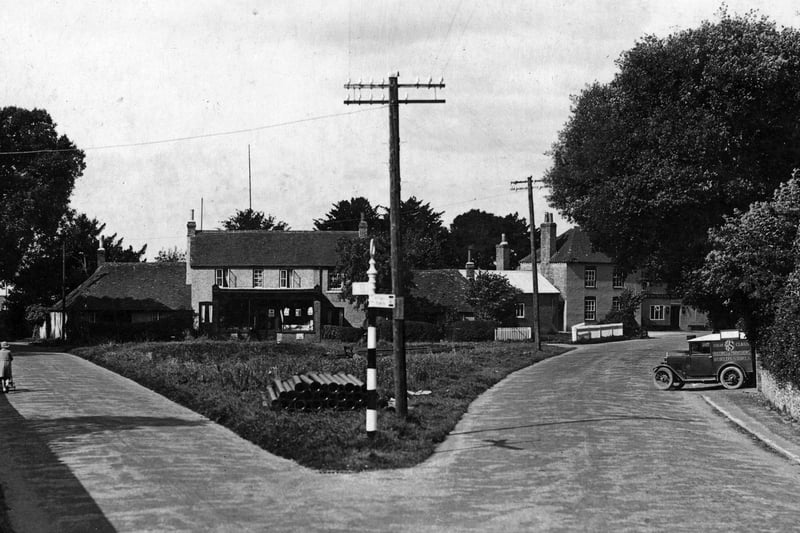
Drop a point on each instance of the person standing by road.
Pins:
(5, 366)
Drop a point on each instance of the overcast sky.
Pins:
(225, 74)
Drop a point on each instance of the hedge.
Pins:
(780, 346)
(471, 330)
(168, 328)
(415, 331)
(342, 333)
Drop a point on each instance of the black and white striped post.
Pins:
(372, 344)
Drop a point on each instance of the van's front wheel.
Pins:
(731, 377)
(663, 378)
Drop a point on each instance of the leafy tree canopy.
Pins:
(248, 219)
(38, 280)
(345, 215)
(480, 232)
(780, 346)
(692, 127)
(492, 296)
(38, 169)
(170, 255)
(753, 253)
(423, 238)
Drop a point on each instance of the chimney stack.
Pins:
(548, 237)
(101, 252)
(470, 266)
(363, 228)
(502, 255)
(191, 231)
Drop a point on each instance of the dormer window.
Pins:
(289, 279)
(221, 277)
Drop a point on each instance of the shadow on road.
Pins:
(579, 421)
(83, 425)
(40, 491)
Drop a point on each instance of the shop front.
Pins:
(266, 314)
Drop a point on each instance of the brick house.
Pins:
(591, 284)
(549, 295)
(267, 284)
(126, 301)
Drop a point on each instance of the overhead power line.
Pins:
(193, 137)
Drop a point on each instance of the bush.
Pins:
(629, 306)
(342, 333)
(780, 346)
(472, 330)
(168, 328)
(630, 328)
(35, 314)
(415, 331)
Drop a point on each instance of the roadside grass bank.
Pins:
(226, 381)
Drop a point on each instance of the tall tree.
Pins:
(38, 279)
(38, 169)
(423, 238)
(744, 276)
(692, 127)
(345, 215)
(248, 219)
(480, 232)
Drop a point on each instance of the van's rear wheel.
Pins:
(731, 377)
(663, 378)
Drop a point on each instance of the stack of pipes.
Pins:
(314, 391)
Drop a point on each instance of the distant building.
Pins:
(590, 283)
(126, 301)
(267, 284)
(439, 296)
(548, 295)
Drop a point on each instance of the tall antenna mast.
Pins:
(249, 178)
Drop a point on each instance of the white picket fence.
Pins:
(512, 334)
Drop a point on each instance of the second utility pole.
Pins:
(398, 323)
(535, 310)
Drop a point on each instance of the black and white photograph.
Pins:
(399, 266)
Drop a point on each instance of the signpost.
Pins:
(360, 288)
(382, 301)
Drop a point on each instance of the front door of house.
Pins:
(675, 316)
(264, 322)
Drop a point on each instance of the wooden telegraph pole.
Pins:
(537, 340)
(398, 324)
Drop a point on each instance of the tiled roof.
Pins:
(266, 248)
(447, 288)
(132, 287)
(574, 246)
(523, 280)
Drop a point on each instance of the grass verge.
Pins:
(226, 381)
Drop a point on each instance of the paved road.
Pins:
(581, 441)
